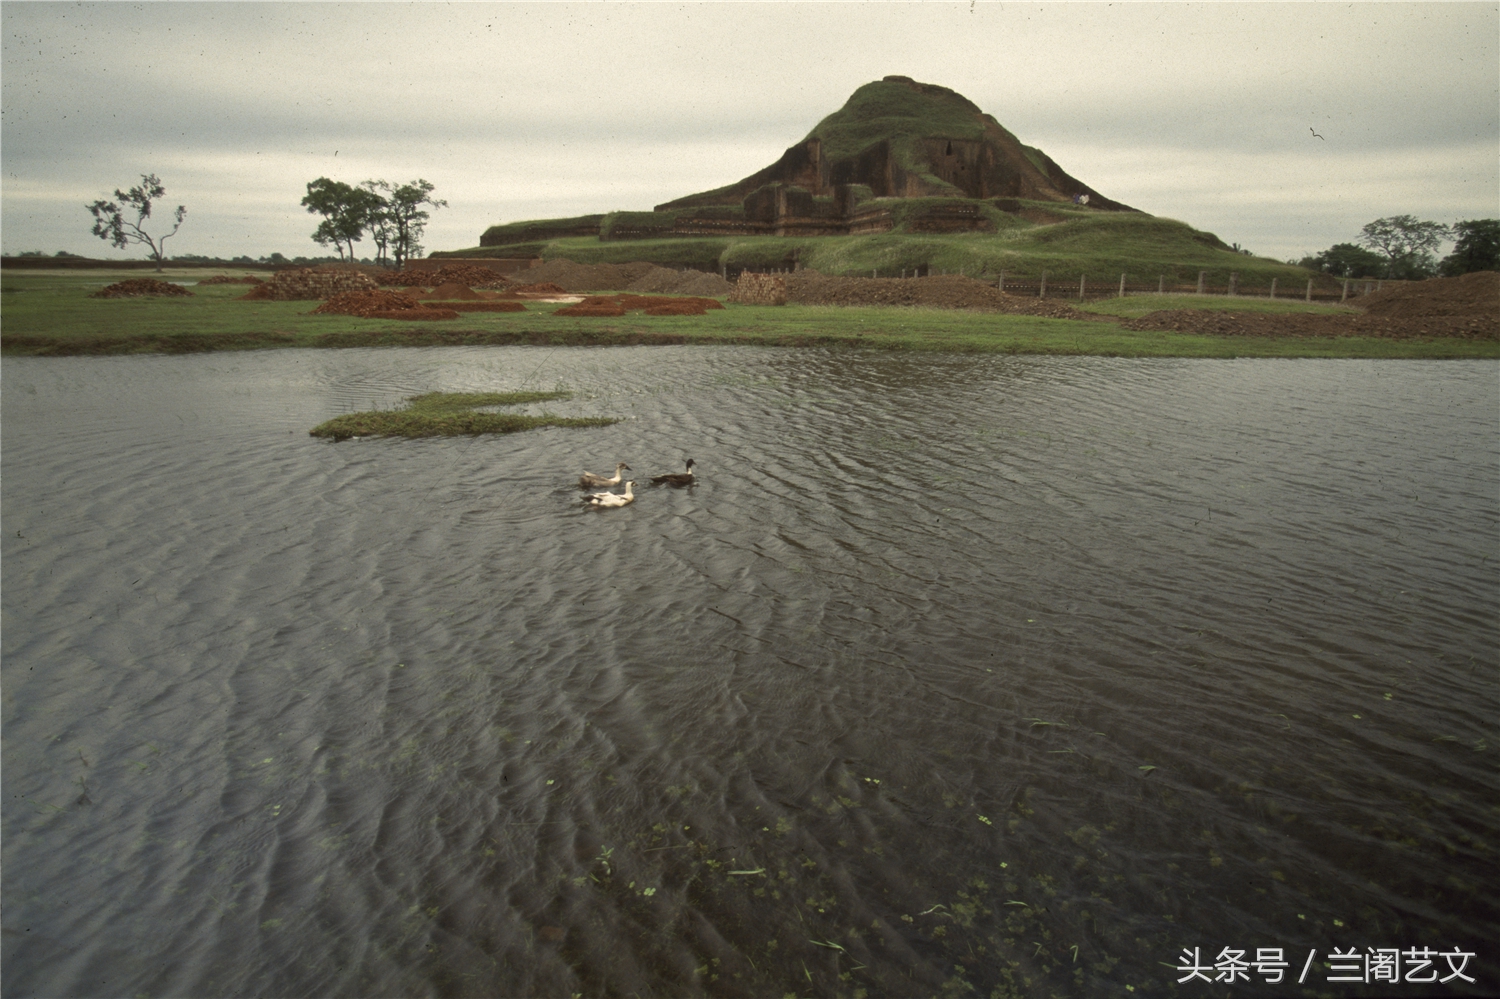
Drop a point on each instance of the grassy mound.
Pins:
(452, 414)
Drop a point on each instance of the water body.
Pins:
(953, 675)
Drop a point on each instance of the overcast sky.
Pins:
(1200, 112)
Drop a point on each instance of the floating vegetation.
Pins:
(453, 414)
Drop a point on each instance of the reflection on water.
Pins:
(952, 675)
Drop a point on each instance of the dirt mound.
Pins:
(452, 290)
(1302, 324)
(599, 307)
(485, 306)
(377, 304)
(136, 287)
(588, 277)
(310, 283)
(544, 288)
(652, 305)
(664, 280)
(949, 291)
(1476, 294)
(469, 275)
(226, 279)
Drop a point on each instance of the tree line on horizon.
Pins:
(1400, 247)
(392, 214)
(1403, 247)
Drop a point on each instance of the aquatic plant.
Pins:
(453, 414)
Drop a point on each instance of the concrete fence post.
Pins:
(1309, 289)
(1273, 289)
(1234, 281)
(1000, 287)
(1081, 279)
(1122, 285)
(1042, 292)
(1345, 296)
(1201, 276)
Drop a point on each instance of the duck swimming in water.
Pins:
(591, 481)
(612, 499)
(675, 478)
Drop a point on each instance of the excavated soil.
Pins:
(587, 277)
(137, 287)
(310, 283)
(468, 275)
(1476, 294)
(381, 305)
(665, 281)
(544, 288)
(652, 305)
(1467, 308)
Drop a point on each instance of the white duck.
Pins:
(612, 499)
(591, 481)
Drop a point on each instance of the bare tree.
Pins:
(111, 225)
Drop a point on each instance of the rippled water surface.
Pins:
(952, 675)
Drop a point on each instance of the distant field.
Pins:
(50, 313)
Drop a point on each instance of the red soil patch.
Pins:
(381, 305)
(600, 307)
(485, 306)
(652, 305)
(468, 275)
(136, 287)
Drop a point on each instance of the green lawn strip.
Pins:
(47, 315)
(1135, 306)
(453, 414)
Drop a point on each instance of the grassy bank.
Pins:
(51, 314)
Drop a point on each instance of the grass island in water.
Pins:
(453, 414)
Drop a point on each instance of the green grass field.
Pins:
(48, 313)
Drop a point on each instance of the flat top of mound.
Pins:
(897, 106)
(1476, 294)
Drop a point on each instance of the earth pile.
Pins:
(310, 283)
(137, 287)
(377, 304)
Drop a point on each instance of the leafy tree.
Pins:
(346, 212)
(1406, 243)
(111, 225)
(1345, 260)
(402, 217)
(1476, 247)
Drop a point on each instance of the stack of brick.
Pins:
(759, 289)
(311, 283)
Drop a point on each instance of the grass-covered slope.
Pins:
(1101, 245)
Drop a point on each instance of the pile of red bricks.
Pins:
(310, 283)
(469, 275)
(136, 287)
(759, 289)
(376, 304)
